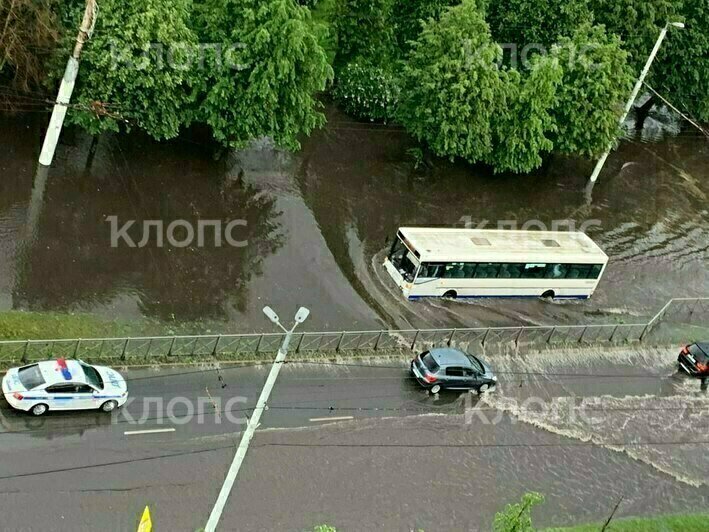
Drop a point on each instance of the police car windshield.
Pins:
(92, 377)
(30, 376)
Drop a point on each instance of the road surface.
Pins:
(363, 447)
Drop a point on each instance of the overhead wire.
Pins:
(437, 445)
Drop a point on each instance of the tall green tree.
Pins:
(595, 85)
(408, 16)
(364, 30)
(138, 62)
(522, 127)
(681, 71)
(451, 84)
(272, 69)
(636, 22)
(535, 23)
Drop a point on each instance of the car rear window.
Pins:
(430, 363)
(30, 376)
(697, 353)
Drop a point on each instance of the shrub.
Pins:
(367, 92)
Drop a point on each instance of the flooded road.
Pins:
(584, 429)
(316, 225)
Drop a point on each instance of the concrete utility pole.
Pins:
(216, 514)
(51, 137)
(634, 94)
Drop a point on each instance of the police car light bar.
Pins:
(61, 366)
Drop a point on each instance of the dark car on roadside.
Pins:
(694, 359)
(446, 368)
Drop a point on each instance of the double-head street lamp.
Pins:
(255, 419)
(634, 94)
(300, 317)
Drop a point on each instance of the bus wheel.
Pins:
(451, 294)
(549, 294)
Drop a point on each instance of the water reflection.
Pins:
(70, 263)
(317, 220)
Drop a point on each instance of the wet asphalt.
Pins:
(357, 445)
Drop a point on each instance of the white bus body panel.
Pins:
(435, 245)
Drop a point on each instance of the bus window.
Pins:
(557, 271)
(487, 270)
(454, 270)
(469, 269)
(578, 271)
(595, 271)
(510, 271)
(534, 271)
(431, 270)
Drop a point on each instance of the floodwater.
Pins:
(317, 222)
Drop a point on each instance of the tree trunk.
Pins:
(92, 152)
(642, 112)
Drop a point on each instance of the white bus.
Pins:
(466, 263)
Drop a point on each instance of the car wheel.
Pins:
(39, 410)
(549, 294)
(435, 388)
(109, 406)
(451, 294)
(483, 388)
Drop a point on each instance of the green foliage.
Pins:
(270, 87)
(408, 16)
(324, 528)
(662, 523)
(364, 30)
(593, 90)
(367, 91)
(681, 71)
(517, 517)
(521, 130)
(533, 22)
(17, 325)
(636, 22)
(323, 16)
(451, 84)
(119, 66)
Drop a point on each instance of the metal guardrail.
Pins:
(181, 347)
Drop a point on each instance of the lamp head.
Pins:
(679, 25)
(302, 315)
(271, 315)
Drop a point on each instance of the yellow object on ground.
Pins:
(146, 523)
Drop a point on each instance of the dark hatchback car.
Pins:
(452, 369)
(694, 359)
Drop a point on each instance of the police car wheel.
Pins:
(38, 410)
(483, 388)
(109, 406)
(436, 388)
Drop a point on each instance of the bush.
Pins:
(367, 92)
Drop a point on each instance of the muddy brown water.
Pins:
(317, 224)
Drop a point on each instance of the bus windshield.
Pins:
(403, 260)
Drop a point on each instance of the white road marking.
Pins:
(341, 418)
(151, 431)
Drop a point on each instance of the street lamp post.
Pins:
(255, 419)
(634, 94)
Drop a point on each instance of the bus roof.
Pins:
(500, 245)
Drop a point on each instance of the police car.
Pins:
(63, 385)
